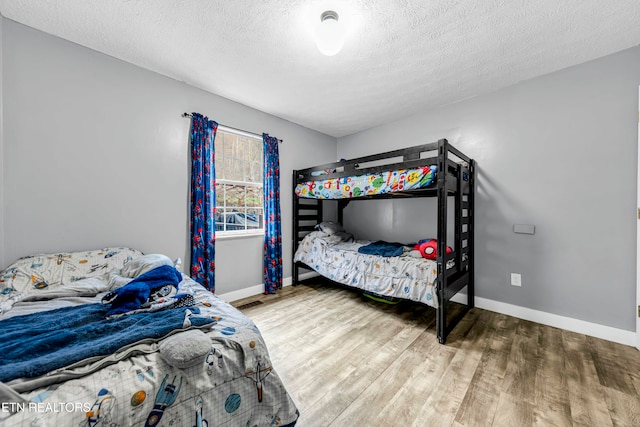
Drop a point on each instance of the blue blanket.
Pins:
(382, 248)
(35, 344)
(142, 290)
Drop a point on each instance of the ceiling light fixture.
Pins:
(329, 34)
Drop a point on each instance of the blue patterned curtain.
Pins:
(203, 201)
(273, 229)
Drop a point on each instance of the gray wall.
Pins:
(96, 154)
(560, 152)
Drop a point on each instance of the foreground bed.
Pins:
(71, 358)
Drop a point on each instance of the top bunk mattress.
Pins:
(368, 185)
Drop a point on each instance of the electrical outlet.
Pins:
(516, 279)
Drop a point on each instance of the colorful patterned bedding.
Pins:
(406, 277)
(215, 371)
(40, 274)
(368, 185)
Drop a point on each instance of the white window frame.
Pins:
(246, 232)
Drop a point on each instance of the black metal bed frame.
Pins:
(457, 181)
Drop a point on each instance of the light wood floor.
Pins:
(348, 361)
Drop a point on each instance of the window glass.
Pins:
(239, 193)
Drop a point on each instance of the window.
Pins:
(239, 194)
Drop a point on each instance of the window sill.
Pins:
(232, 236)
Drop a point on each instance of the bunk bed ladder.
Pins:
(465, 189)
(461, 275)
(471, 231)
(441, 312)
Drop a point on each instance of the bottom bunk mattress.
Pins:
(201, 362)
(335, 256)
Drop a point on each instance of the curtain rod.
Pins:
(232, 128)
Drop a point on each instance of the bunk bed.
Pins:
(436, 170)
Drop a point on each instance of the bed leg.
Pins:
(441, 320)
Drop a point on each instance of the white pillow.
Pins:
(330, 227)
(143, 264)
(185, 349)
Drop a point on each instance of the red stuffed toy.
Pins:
(429, 248)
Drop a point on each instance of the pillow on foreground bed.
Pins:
(142, 264)
(33, 273)
(185, 349)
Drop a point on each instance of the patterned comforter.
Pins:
(368, 185)
(405, 277)
(231, 383)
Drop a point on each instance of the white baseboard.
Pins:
(259, 289)
(574, 325)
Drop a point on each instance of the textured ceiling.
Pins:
(400, 56)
